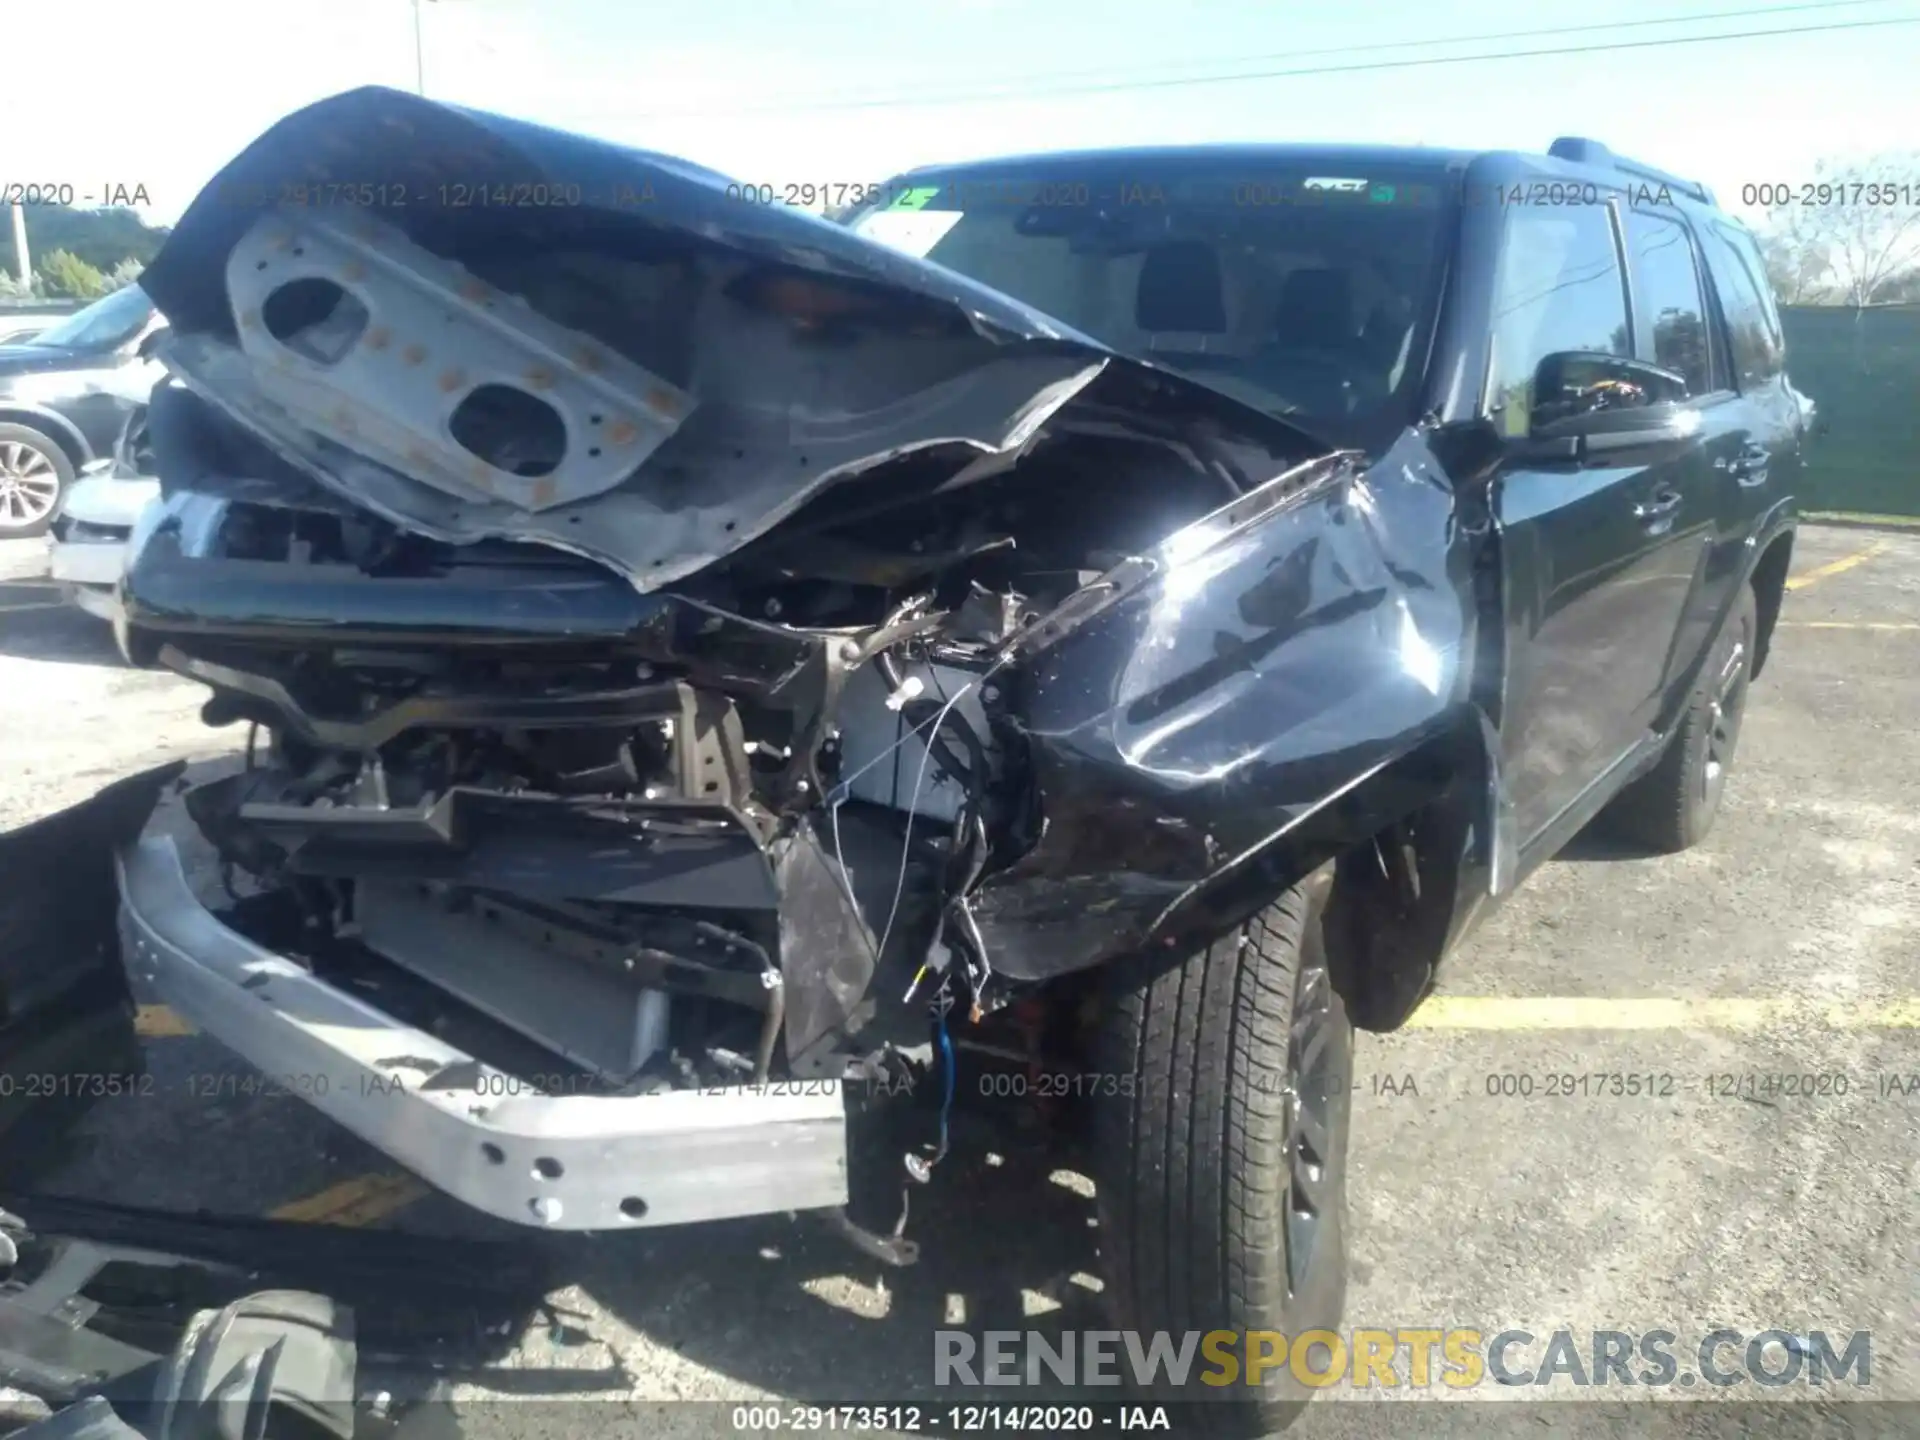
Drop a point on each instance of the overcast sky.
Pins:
(160, 94)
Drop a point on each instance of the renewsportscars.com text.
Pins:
(1415, 1358)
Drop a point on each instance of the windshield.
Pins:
(106, 324)
(1307, 290)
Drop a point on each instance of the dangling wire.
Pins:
(949, 1073)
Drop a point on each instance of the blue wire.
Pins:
(947, 1065)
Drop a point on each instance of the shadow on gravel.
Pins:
(1593, 844)
(36, 623)
(791, 1308)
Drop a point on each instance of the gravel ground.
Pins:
(1684, 1212)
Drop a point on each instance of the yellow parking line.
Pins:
(357, 1202)
(155, 1021)
(1836, 567)
(1847, 625)
(1494, 1012)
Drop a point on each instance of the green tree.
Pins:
(67, 274)
(102, 238)
(1798, 265)
(1861, 228)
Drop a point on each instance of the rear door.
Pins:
(1688, 563)
(1765, 465)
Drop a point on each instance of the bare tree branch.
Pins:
(1856, 221)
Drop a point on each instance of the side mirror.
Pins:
(1585, 403)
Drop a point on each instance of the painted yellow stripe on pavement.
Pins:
(1836, 567)
(1491, 1012)
(357, 1202)
(1848, 625)
(155, 1021)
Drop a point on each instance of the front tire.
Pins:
(1220, 1164)
(1672, 807)
(34, 476)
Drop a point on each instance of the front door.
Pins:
(1601, 556)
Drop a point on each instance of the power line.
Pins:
(1159, 71)
(1237, 77)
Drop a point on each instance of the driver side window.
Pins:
(1560, 287)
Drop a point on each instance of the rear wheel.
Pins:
(1221, 1160)
(34, 474)
(1672, 807)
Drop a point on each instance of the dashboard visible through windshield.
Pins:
(1309, 292)
(106, 324)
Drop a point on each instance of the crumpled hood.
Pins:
(477, 327)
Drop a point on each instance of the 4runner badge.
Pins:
(1328, 182)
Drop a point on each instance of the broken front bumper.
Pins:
(574, 1162)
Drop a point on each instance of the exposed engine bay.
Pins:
(770, 787)
(697, 645)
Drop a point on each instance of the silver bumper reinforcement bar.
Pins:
(575, 1162)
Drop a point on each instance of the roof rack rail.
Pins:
(1582, 151)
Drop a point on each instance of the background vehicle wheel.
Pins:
(1673, 805)
(34, 474)
(1221, 1162)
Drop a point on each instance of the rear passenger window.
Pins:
(1752, 330)
(1560, 288)
(1667, 290)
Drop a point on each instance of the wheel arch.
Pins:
(1409, 854)
(56, 427)
(1769, 580)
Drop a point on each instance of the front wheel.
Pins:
(1220, 1164)
(1672, 807)
(34, 473)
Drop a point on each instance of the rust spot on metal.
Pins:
(621, 432)
(283, 241)
(545, 492)
(451, 380)
(250, 320)
(664, 401)
(472, 290)
(377, 338)
(540, 378)
(353, 270)
(590, 360)
(414, 354)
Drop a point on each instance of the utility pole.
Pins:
(22, 264)
(419, 53)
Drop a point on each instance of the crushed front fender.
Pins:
(1233, 695)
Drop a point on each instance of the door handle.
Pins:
(1663, 504)
(1750, 468)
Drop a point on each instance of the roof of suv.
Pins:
(1216, 154)
(1573, 154)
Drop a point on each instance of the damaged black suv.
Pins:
(1134, 612)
